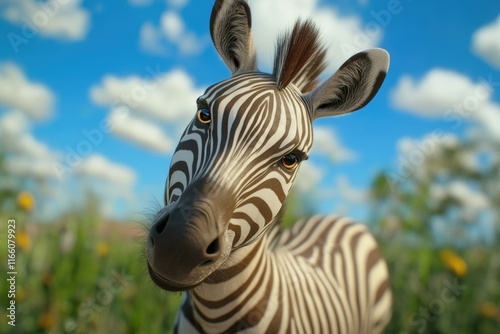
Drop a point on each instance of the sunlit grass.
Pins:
(84, 275)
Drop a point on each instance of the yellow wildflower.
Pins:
(23, 240)
(489, 310)
(25, 201)
(46, 320)
(102, 249)
(454, 262)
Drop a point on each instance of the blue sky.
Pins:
(69, 67)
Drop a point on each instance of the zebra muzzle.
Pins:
(186, 244)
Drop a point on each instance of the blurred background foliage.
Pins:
(437, 219)
(81, 273)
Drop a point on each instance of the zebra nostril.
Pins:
(213, 248)
(160, 225)
(152, 241)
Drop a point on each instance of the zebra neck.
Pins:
(237, 289)
(237, 276)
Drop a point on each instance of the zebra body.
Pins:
(321, 263)
(218, 237)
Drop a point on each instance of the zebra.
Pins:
(218, 238)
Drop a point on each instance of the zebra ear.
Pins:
(230, 28)
(352, 87)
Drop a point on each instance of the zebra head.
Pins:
(238, 158)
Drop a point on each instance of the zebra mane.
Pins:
(300, 57)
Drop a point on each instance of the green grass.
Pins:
(73, 279)
(430, 298)
(78, 275)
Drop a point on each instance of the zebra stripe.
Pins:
(218, 237)
(259, 144)
(323, 276)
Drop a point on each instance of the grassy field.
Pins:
(81, 274)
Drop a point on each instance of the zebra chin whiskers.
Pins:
(150, 215)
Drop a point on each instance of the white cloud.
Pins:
(431, 143)
(450, 95)
(469, 160)
(26, 166)
(28, 157)
(140, 3)
(58, 19)
(171, 32)
(414, 154)
(17, 92)
(177, 3)
(308, 177)
(471, 201)
(13, 124)
(327, 143)
(343, 35)
(438, 92)
(489, 118)
(174, 30)
(169, 96)
(150, 40)
(348, 193)
(139, 131)
(101, 167)
(172, 25)
(191, 44)
(486, 42)
(110, 181)
(28, 145)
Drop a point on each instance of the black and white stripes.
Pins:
(218, 237)
(242, 149)
(323, 276)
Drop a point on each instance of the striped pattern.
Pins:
(241, 150)
(218, 237)
(325, 275)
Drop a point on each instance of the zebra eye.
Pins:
(203, 116)
(290, 161)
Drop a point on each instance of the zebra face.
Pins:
(229, 176)
(238, 158)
